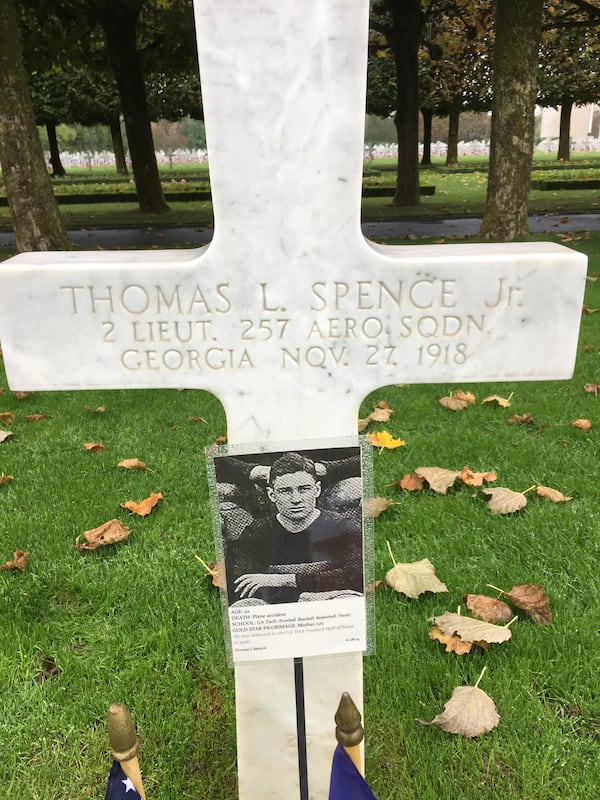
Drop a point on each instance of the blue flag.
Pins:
(346, 781)
(119, 786)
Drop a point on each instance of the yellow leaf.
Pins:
(383, 439)
(494, 398)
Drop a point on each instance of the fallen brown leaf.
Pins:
(215, 571)
(472, 630)
(4, 479)
(453, 643)
(551, 494)
(109, 533)
(36, 417)
(505, 501)
(4, 435)
(95, 447)
(23, 395)
(98, 410)
(489, 609)
(438, 478)
(413, 579)
(197, 419)
(7, 418)
(469, 711)
(19, 560)
(411, 482)
(584, 424)
(379, 505)
(530, 597)
(470, 478)
(591, 388)
(144, 507)
(453, 403)
(520, 419)
(132, 463)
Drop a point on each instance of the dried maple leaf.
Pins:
(489, 609)
(109, 533)
(470, 478)
(19, 560)
(378, 506)
(95, 447)
(472, 630)
(7, 418)
(520, 419)
(551, 494)
(505, 501)
(36, 417)
(381, 414)
(384, 440)
(415, 578)
(133, 463)
(453, 403)
(591, 388)
(438, 478)
(144, 507)
(454, 644)
(469, 711)
(584, 424)
(530, 597)
(4, 436)
(215, 570)
(411, 482)
(494, 398)
(4, 479)
(459, 394)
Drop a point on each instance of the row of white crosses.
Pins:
(289, 315)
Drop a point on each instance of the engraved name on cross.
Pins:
(289, 310)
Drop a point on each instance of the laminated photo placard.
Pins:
(294, 536)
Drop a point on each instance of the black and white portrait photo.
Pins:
(291, 525)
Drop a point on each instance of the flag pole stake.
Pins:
(348, 731)
(124, 744)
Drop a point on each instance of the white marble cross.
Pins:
(289, 316)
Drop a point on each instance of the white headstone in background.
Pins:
(289, 316)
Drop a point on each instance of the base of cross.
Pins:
(286, 709)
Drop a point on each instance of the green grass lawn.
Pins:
(458, 191)
(139, 622)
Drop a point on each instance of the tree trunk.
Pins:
(404, 40)
(58, 171)
(33, 208)
(564, 136)
(118, 147)
(518, 31)
(452, 152)
(427, 115)
(119, 23)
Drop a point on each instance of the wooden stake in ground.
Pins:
(124, 744)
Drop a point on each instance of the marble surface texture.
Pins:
(289, 308)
